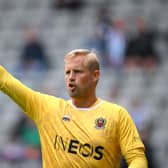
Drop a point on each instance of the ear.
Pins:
(96, 75)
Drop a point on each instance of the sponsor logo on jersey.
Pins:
(100, 123)
(73, 146)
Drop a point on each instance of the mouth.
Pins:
(71, 87)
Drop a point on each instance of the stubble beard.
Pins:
(73, 93)
(77, 92)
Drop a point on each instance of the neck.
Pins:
(84, 102)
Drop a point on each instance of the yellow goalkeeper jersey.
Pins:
(74, 137)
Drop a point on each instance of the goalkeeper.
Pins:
(85, 131)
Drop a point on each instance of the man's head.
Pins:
(82, 73)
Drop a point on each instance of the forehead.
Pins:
(77, 61)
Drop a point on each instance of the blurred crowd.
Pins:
(121, 46)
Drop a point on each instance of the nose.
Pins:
(71, 76)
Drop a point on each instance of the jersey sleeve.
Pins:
(131, 144)
(30, 101)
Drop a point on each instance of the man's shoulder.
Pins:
(52, 98)
(112, 105)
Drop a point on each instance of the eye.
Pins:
(67, 72)
(78, 71)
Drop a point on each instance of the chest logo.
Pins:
(100, 123)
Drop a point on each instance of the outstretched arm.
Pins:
(21, 94)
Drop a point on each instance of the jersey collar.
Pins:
(94, 106)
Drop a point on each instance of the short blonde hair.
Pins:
(91, 58)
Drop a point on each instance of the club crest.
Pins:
(100, 123)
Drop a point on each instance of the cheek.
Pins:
(85, 81)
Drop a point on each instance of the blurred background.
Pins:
(131, 39)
